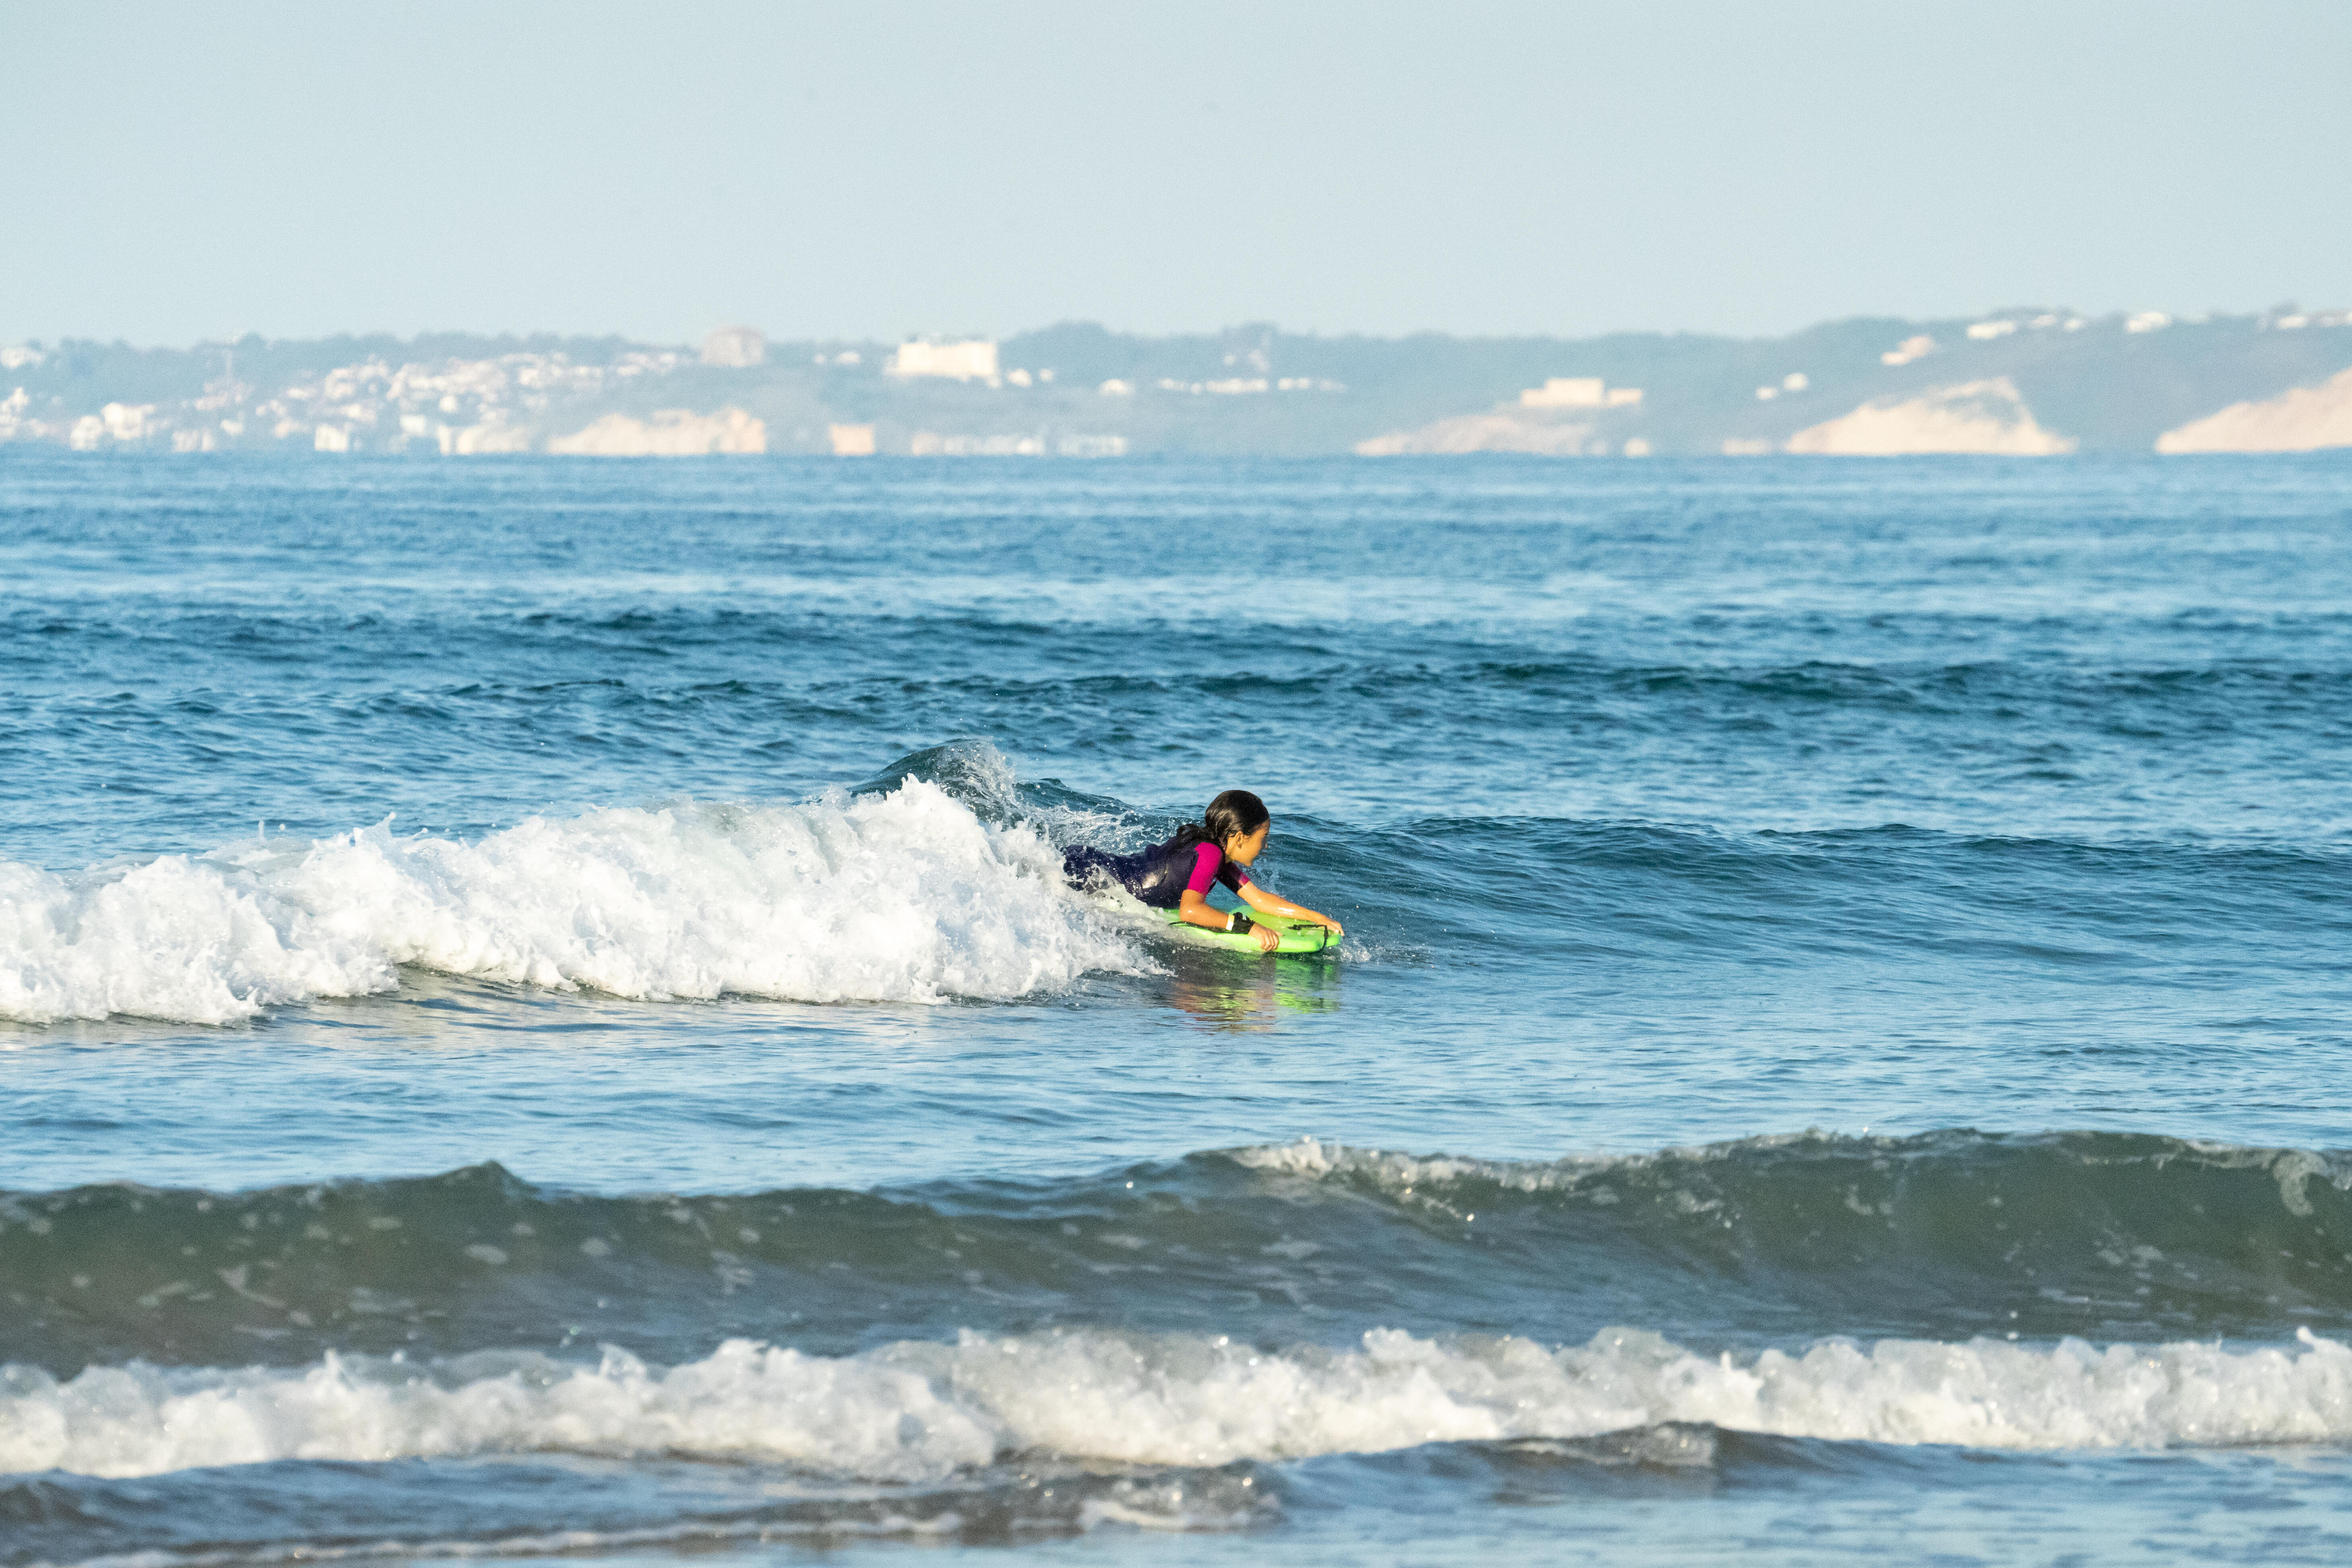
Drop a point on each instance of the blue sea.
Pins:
(539, 1016)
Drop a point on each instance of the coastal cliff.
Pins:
(2301, 419)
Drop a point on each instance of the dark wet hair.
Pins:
(1234, 812)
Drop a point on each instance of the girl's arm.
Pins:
(1257, 898)
(1197, 910)
(1194, 908)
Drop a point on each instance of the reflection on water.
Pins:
(1242, 992)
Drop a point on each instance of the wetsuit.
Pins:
(1162, 875)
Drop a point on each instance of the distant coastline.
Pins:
(2027, 382)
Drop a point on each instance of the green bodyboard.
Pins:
(1297, 936)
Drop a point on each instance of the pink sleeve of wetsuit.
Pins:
(1205, 865)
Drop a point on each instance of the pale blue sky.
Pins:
(170, 173)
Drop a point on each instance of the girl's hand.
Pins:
(1268, 939)
(1336, 928)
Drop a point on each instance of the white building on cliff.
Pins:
(974, 359)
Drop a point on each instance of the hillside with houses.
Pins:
(2027, 382)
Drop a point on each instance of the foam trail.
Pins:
(906, 897)
(917, 1411)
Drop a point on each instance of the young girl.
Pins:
(1177, 875)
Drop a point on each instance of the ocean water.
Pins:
(538, 1018)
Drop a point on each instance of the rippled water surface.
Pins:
(537, 1015)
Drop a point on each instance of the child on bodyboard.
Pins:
(1177, 875)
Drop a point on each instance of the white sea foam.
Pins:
(921, 1411)
(906, 897)
(1311, 1156)
(1427, 1178)
(2293, 1170)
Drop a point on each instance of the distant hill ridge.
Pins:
(2018, 382)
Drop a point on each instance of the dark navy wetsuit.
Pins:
(1162, 875)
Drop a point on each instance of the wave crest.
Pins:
(903, 897)
(921, 1411)
(2116, 1237)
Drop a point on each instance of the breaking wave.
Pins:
(899, 897)
(915, 1411)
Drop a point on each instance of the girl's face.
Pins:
(1245, 848)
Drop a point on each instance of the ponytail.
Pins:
(1236, 812)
